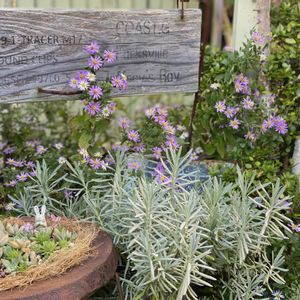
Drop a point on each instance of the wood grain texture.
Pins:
(157, 50)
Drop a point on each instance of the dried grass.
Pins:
(60, 261)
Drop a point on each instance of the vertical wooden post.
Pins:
(217, 24)
(248, 15)
(263, 18)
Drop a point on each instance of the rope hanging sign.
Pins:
(158, 50)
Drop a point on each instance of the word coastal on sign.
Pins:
(156, 49)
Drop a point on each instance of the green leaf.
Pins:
(290, 41)
(221, 147)
(210, 149)
(84, 140)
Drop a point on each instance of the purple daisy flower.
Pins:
(163, 179)
(139, 148)
(172, 142)
(269, 123)
(263, 126)
(280, 125)
(162, 111)
(116, 81)
(92, 108)
(30, 164)
(160, 119)
(250, 136)
(92, 48)
(124, 83)
(95, 92)
(119, 82)
(112, 106)
(32, 144)
(234, 123)
(256, 93)
(230, 112)
(259, 290)
(124, 122)
(95, 62)
(238, 86)
(124, 148)
(271, 98)
(159, 169)
(69, 194)
(156, 152)
(258, 38)
(134, 165)
(295, 227)
(96, 163)
(81, 75)
(9, 206)
(12, 183)
(22, 176)
(10, 161)
(241, 84)
(109, 161)
(243, 79)
(18, 164)
(32, 173)
(220, 106)
(248, 103)
(109, 56)
(194, 156)
(41, 149)
(277, 295)
(150, 112)
(133, 135)
(170, 130)
(9, 150)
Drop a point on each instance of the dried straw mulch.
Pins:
(60, 261)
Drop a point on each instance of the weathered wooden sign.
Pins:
(156, 49)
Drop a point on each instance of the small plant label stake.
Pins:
(158, 50)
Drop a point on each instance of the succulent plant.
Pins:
(61, 233)
(12, 229)
(27, 245)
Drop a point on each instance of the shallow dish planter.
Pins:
(79, 281)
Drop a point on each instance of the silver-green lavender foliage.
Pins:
(183, 234)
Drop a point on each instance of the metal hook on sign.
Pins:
(182, 7)
(54, 92)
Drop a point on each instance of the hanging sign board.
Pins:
(157, 50)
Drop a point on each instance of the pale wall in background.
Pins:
(245, 19)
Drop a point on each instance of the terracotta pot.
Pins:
(79, 282)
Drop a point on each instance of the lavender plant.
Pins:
(177, 237)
